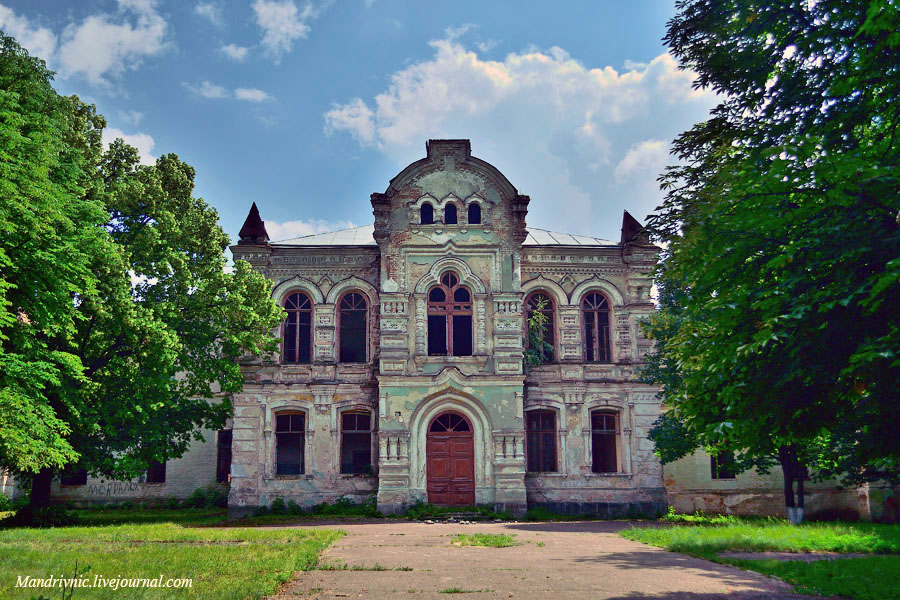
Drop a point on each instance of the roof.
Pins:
(364, 236)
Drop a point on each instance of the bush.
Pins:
(47, 516)
(278, 506)
(5, 503)
(210, 496)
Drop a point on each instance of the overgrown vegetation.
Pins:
(486, 540)
(425, 510)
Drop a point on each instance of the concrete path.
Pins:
(560, 561)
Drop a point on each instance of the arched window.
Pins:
(595, 314)
(449, 422)
(474, 213)
(540, 340)
(426, 214)
(605, 442)
(352, 321)
(450, 214)
(297, 337)
(540, 439)
(356, 442)
(290, 434)
(449, 318)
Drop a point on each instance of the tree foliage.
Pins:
(783, 240)
(119, 318)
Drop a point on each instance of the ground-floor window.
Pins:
(540, 438)
(604, 441)
(223, 457)
(156, 472)
(74, 477)
(356, 442)
(289, 442)
(721, 465)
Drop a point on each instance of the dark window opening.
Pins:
(474, 214)
(449, 422)
(289, 443)
(356, 443)
(540, 439)
(542, 341)
(353, 330)
(74, 477)
(297, 337)
(449, 318)
(604, 442)
(426, 214)
(450, 214)
(223, 456)
(721, 465)
(156, 472)
(595, 312)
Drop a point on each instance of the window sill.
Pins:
(279, 477)
(609, 474)
(356, 476)
(554, 474)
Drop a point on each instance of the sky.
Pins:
(307, 108)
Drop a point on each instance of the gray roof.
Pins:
(363, 236)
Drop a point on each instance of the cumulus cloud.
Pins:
(106, 45)
(292, 229)
(207, 89)
(39, 41)
(643, 160)
(559, 129)
(251, 95)
(142, 141)
(235, 52)
(210, 11)
(283, 23)
(131, 117)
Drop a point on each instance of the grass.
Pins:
(226, 563)
(456, 590)
(424, 510)
(487, 540)
(866, 578)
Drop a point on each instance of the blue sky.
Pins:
(308, 108)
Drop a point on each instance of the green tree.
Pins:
(120, 319)
(784, 235)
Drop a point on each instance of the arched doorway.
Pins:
(450, 452)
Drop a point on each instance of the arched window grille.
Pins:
(595, 314)
(297, 332)
(353, 321)
(541, 342)
(449, 318)
(426, 214)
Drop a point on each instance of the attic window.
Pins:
(426, 214)
(450, 215)
(474, 214)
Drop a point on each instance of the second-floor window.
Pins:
(353, 330)
(297, 338)
(426, 214)
(595, 314)
(449, 318)
(539, 336)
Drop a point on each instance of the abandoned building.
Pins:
(401, 373)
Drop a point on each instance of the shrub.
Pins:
(47, 516)
(210, 496)
(5, 503)
(278, 506)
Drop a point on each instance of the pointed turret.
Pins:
(633, 231)
(254, 229)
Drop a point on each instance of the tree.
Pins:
(116, 294)
(783, 228)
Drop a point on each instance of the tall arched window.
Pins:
(450, 214)
(352, 321)
(297, 337)
(595, 314)
(541, 342)
(426, 214)
(474, 213)
(449, 318)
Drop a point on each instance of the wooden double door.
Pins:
(450, 452)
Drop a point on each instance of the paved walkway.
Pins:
(560, 561)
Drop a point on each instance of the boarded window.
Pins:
(541, 341)
(426, 214)
(289, 446)
(74, 477)
(721, 465)
(449, 318)
(297, 336)
(540, 438)
(223, 457)
(450, 215)
(595, 313)
(604, 442)
(474, 214)
(156, 472)
(356, 442)
(353, 334)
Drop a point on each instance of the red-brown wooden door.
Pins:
(450, 452)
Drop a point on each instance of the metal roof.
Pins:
(363, 236)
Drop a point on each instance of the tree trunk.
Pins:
(793, 471)
(40, 489)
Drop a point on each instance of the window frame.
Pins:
(284, 325)
(290, 431)
(340, 329)
(450, 308)
(156, 472)
(552, 321)
(616, 433)
(597, 329)
(541, 435)
(370, 432)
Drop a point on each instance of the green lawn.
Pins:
(489, 540)
(223, 563)
(875, 577)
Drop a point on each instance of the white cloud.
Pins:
(251, 95)
(131, 117)
(39, 41)
(555, 126)
(211, 11)
(291, 229)
(106, 45)
(142, 141)
(282, 24)
(644, 160)
(207, 89)
(235, 52)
